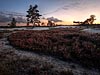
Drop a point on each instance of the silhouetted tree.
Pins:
(92, 17)
(33, 15)
(50, 23)
(90, 20)
(13, 22)
(87, 21)
(42, 23)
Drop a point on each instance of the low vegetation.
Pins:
(1, 35)
(68, 44)
(13, 64)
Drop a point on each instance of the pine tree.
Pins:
(13, 22)
(33, 15)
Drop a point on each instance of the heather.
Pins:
(68, 44)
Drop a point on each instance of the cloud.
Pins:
(4, 18)
(7, 16)
(70, 6)
(20, 19)
(65, 7)
(54, 19)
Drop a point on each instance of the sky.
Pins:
(65, 10)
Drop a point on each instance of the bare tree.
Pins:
(92, 17)
(88, 21)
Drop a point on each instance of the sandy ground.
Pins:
(11, 53)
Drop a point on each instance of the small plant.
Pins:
(68, 72)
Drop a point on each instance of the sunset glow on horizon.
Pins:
(65, 10)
